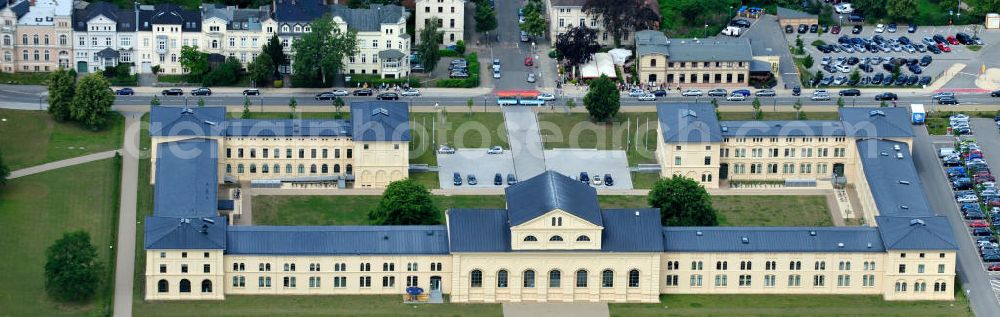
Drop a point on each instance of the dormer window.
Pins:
(582, 238)
(298, 29)
(530, 239)
(556, 239)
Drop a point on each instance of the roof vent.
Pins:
(904, 182)
(876, 113)
(699, 233)
(812, 233)
(745, 240)
(896, 147)
(840, 244)
(380, 111)
(187, 111)
(904, 207)
(208, 220)
(869, 245)
(211, 122)
(636, 213)
(915, 222)
(883, 153)
(899, 156)
(725, 129)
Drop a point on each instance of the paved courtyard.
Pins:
(571, 162)
(474, 162)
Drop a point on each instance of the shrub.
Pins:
(278, 83)
(449, 53)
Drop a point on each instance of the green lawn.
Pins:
(344, 210)
(35, 211)
(576, 130)
(792, 305)
(456, 129)
(340, 305)
(750, 210)
(30, 138)
(23, 78)
(644, 180)
(783, 115)
(144, 207)
(428, 179)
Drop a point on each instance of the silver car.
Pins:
(531, 77)
(691, 93)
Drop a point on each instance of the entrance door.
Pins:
(81, 67)
(838, 169)
(724, 171)
(147, 67)
(435, 283)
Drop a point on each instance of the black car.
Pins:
(362, 92)
(173, 92)
(915, 69)
(824, 49)
(325, 96)
(877, 79)
(251, 92)
(814, 28)
(850, 92)
(889, 67)
(903, 40)
(857, 29)
(803, 28)
(901, 80)
(798, 91)
(891, 28)
(456, 179)
(125, 92)
(584, 178)
(201, 92)
(866, 68)
(740, 23)
(856, 18)
(925, 80)
(995, 93)
(853, 61)
(912, 28)
(608, 181)
(497, 179)
(912, 80)
(963, 38)
(387, 96)
(886, 96)
(947, 101)
(511, 179)
(926, 60)
(939, 39)
(659, 93)
(789, 29)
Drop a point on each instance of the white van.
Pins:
(947, 151)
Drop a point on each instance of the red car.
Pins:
(835, 29)
(979, 224)
(952, 40)
(994, 267)
(528, 61)
(944, 47)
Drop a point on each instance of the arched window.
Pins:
(556, 238)
(46, 39)
(555, 278)
(206, 286)
(582, 238)
(581, 278)
(530, 239)
(185, 286)
(350, 169)
(502, 279)
(324, 169)
(24, 40)
(253, 168)
(288, 168)
(6, 40)
(162, 286)
(529, 279)
(264, 168)
(229, 168)
(239, 168)
(302, 169)
(476, 278)
(63, 40)
(277, 168)
(312, 169)
(34, 39)
(633, 278)
(607, 278)
(298, 29)
(336, 168)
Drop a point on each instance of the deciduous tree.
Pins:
(901, 9)
(430, 39)
(320, 54)
(534, 20)
(92, 101)
(578, 45)
(486, 17)
(603, 99)
(61, 89)
(617, 16)
(682, 202)
(261, 70)
(195, 62)
(4, 170)
(405, 202)
(72, 270)
(276, 52)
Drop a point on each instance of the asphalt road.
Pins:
(510, 50)
(975, 280)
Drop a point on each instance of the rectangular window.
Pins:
(677, 160)
(720, 281)
(708, 160)
(940, 268)
(902, 268)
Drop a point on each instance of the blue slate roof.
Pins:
(125, 18)
(370, 19)
(798, 128)
(169, 233)
(298, 10)
(174, 121)
(916, 233)
(380, 121)
(541, 194)
(20, 8)
(631, 230)
(186, 179)
(893, 181)
(688, 122)
(333, 240)
(877, 122)
(478, 230)
(169, 13)
(295, 127)
(772, 239)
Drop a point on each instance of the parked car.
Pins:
(456, 179)
(834, 30)
(410, 92)
(125, 92)
(765, 93)
(608, 181)
(879, 28)
(546, 97)
(495, 150)
(696, 93)
(789, 29)
(444, 149)
(173, 92)
(744, 92)
(471, 179)
(857, 29)
(717, 92)
(203, 91)
(584, 178)
(912, 28)
(528, 61)
(362, 92)
(803, 28)
(387, 96)
(497, 179)
(251, 92)
(511, 179)
(531, 77)
(596, 180)
(850, 92)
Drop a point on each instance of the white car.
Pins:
(411, 92)
(647, 97)
(844, 68)
(967, 199)
(692, 93)
(546, 97)
(820, 97)
(597, 180)
(496, 73)
(843, 8)
(531, 77)
(736, 97)
(444, 149)
(495, 150)
(636, 92)
(339, 92)
(879, 28)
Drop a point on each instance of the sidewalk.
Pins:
(270, 92)
(60, 164)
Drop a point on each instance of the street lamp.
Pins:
(706, 30)
(841, 16)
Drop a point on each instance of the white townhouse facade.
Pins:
(234, 32)
(163, 30)
(450, 12)
(103, 36)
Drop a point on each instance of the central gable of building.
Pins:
(550, 191)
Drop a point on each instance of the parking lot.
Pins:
(473, 162)
(571, 162)
(941, 62)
